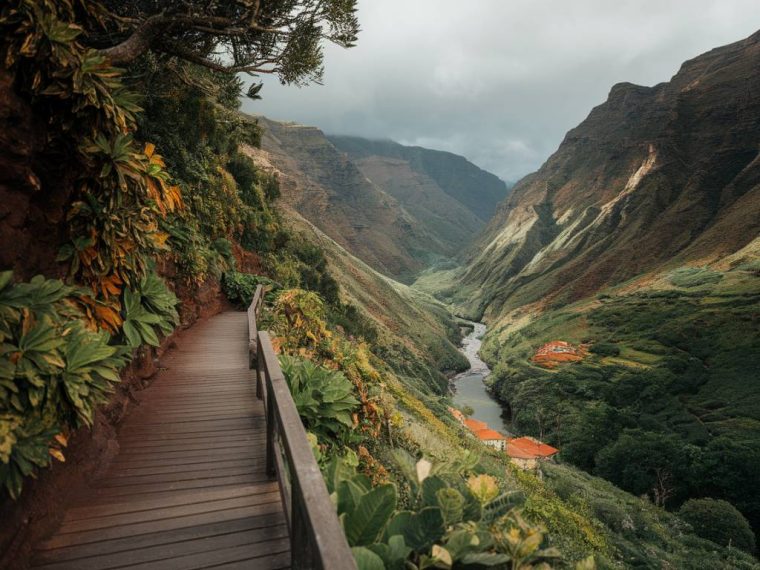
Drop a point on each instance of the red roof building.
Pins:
(527, 451)
(492, 437)
(475, 425)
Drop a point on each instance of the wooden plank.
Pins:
(99, 535)
(207, 483)
(162, 468)
(262, 537)
(161, 538)
(131, 506)
(195, 475)
(276, 562)
(122, 519)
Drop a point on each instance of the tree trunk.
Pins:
(138, 43)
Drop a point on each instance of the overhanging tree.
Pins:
(281, 37)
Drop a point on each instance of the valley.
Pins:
(346, 320)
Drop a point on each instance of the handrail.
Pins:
(253, 311)
(317, 540)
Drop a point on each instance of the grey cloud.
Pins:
(499, 81)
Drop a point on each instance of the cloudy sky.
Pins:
(499, 81)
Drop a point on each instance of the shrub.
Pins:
(149, 309)
(718, 521)
(53, 373)
(451, 520)
(239, 288)
(324, 398)
(605, 349)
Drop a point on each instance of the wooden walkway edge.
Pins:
(188, 489)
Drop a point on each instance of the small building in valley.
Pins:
(526, 452)
(474, 425)
(492, 438)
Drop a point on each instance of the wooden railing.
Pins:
(317, 540)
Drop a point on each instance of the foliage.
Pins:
(192, 113)
(718, 521)
(324, 398)
(122, 189)
(239, 288)
(450, 521)
(53, 373)
(644, 463)
(605, 349)
(301, 329)
(283, 38)
(683, 377)
(694, 277)
(149, 309)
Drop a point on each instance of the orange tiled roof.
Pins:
(488, 434)
(475, 425)
(529, 448)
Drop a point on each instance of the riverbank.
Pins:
(469, 388)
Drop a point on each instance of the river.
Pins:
(470, 390)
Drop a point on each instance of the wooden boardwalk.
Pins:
(188, 489)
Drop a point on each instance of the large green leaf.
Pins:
(451, 503)
(366, 559)
(430, 487)
(424, 528)
(368, 519)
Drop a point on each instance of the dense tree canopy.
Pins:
(718, 521)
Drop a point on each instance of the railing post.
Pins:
(260, 366)
(271, 419)
(302, 551)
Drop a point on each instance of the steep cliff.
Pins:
(654, 175)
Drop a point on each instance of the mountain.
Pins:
(389, 163)
(398, 220)
(655, 175)
(636, 244)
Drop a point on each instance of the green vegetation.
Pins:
(450, 519)
(324, 399)
(54, 371)
(718, 521)
(666, 404)
(149, 310)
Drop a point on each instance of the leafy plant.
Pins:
(324, 398)
(121, 187)
(53, 373)
(239, 288)
(150, 309)
(446, 524)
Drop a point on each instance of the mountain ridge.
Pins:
(394, 217)
(651, 174)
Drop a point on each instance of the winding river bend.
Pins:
(469, 388)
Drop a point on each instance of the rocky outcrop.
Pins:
(653, 176)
